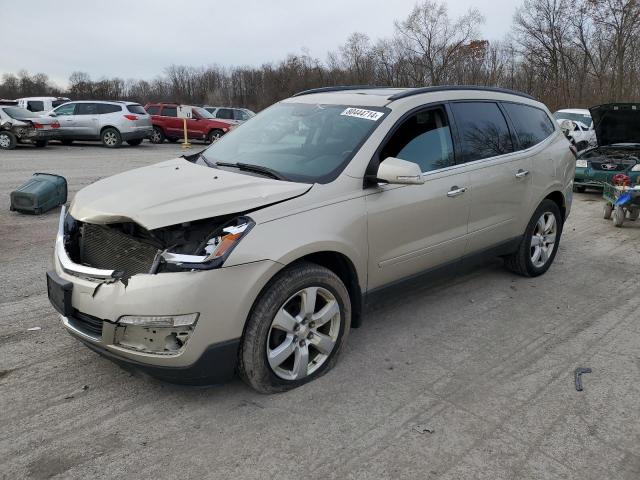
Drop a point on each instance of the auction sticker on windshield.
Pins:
(362, 113)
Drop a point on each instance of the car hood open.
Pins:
(616, 123)
(177, 191)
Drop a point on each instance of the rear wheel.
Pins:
(608, 209)
(135, 143)
(157, 136)
(111, 138)
(296, 329)
(618, 216)
(214, 135)
(41, 143)
(7, 140)
(539, 244)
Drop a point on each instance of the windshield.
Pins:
(576, 117)
(302, 142)
(202, 113)
(19, 113)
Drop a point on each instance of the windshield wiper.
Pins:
(253, 168)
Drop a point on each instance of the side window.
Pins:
(225, 113)
(240, 115)
(57, 103)
(87, 109)
(532, 124)
(153, 110)
(482, 129)
(35, 106)
(169, 111)
(108, 108)
(424, 138)
(65, 109)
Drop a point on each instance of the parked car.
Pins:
(583, 134)
(41, 104)
(18, 125)
(110, 122)
(258, 253)
(617, 129)
(201, 126)
(237, 115)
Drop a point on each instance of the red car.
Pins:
(167, 125)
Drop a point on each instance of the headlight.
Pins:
(216, 249)
(159, 320)
(636, 168)
(581, 163)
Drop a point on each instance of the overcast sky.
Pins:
(139, 38)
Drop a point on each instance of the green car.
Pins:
(617, 128)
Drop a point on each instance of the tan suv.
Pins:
(256, 255)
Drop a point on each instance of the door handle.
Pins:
(455, 191)
(522, 173)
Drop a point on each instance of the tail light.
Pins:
(55, 125)
(37, 125)
(131, 117)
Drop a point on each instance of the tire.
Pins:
(580, 189)
(608, 209)
(618, 216)
(529, 261)
(66, 142)
(172, 139)
(157, 136)
(214, 135)
(633, 215)
(111, 138)
(258, 363)
(41, 143)
(135, 143)
(7, 140)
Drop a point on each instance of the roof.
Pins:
(122, 102)
(579, 111)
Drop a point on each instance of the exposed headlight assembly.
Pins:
(581, 163)
(636, 168)
(216, 249)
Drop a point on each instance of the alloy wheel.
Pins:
(5, 141)
(303, 333)
(543, 239)
(109, 138)
(155, 137)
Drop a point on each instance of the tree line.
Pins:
(567, 53)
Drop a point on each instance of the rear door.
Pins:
(86, 120)
(170, 122)
(414, 228)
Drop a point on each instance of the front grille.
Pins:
(86, 324)
(109, 249)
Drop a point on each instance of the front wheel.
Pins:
(7, 140)
(296, 329)
(157, 136)
(214, 135)
(539, 244)
(111, 138)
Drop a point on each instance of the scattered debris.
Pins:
(422, 429)
(578, 375)
(73, 394)
(34, 329)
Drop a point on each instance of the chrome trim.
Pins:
(68, 326)
(69, 265)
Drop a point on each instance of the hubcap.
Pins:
(4, 141)
(156, 136)
(110, 138)
(543, 239)
(303, 333)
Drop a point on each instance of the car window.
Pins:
(482, 130)
(137, 109)
(153, 110)
(424, 138)
(57, 103)
(169, 111)
(225, 113)
(66, 109)
(532, 125)
(87, 109)
(35, 106)
(19, 113)
(108, 108)
(241, 115)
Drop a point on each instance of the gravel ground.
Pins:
(470, 378)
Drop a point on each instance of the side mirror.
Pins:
(399, 172)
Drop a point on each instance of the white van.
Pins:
(41, 104)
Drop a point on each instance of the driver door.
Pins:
(65, 114)
(412, 228)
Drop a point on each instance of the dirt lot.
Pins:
(484, 362)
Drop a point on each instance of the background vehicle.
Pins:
(18, 125)
(238, 115)
(258, 252)
(167, 125)
(583, 133)
(41, 104)
(617, 129)
(110, 122)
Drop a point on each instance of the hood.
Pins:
(616, 123)
(177, 191)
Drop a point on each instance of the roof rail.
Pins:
(418, 91)
(337, 88)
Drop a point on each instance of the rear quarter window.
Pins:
(137, 109)
(35, 106)
(108, 108)
(532, 125)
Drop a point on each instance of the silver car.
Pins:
(235, 115)
(110, 122)
(259, 254)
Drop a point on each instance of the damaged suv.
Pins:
(18, 125)
(256, 255)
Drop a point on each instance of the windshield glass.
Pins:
(18, 113)
(576, 117)
(302, 142)
(202, 112)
